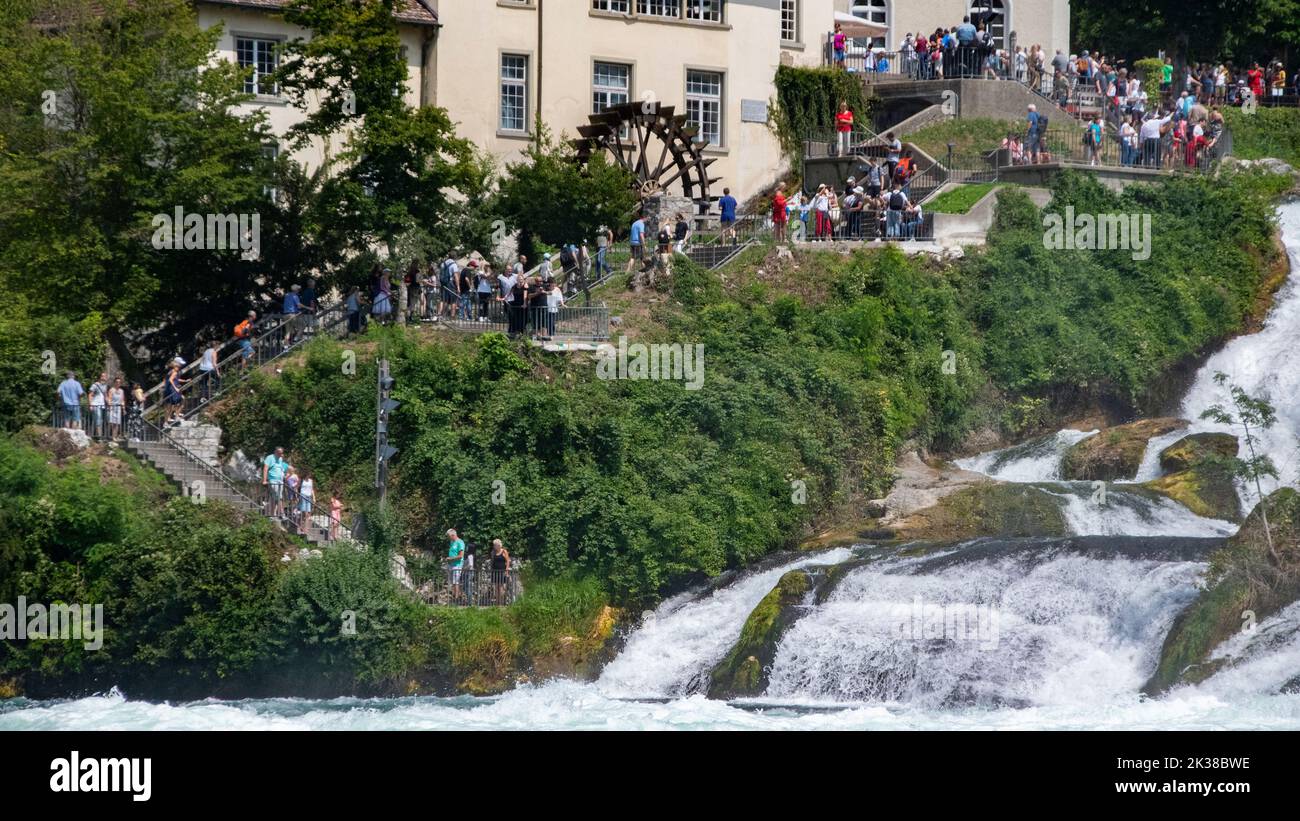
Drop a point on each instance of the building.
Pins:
(496, 65)
(253, 30)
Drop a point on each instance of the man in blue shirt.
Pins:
(274, 468)
(70, 393)
(966, 56)
(1033, 137)
(727, 205)
(455, 561)
(636, 242)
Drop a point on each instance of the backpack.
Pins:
(896, 201)
(444, 274)
(1042, 124)
(243, 330)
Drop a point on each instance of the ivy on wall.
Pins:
(806, 102)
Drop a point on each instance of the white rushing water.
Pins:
(686, 636)
(1038, 460)
(1030, 628)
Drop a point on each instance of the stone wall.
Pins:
(204, 441)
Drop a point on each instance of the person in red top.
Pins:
(778, 214)
(1256, 79)
(844, 125)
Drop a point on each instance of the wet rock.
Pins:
(1244, 578)
(1207, 491)
(1195, 448)
(989, 509)
(744, 670)
(1115, 453)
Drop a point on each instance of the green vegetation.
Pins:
(197, 600)
(961, 199)
(972, 139)
(1268, 132)
(1077, 327)
(807, 100)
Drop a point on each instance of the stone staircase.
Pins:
(202, 481)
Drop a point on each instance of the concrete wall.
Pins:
(1045, 22)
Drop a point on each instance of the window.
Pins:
(992, 14)
(707, 10)
(262, 56)
(610, 84)
(704, 104)
(876, 12)
(790, 21)
(620, 6)
(514, 92)
(659, 8)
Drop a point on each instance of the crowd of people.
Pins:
(877, 205)
(290, 497)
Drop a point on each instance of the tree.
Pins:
(549, 196)
(121, 113)
(399, 165)
(1259, 415)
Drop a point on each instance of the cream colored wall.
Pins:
(280, 113)
(1045, 22)
(747, 49)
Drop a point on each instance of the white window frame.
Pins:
(612, 6)
(697, 100)
(523, 83)
(260, 43)
(670, 9)
(791, 21)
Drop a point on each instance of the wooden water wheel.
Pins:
(653, 144)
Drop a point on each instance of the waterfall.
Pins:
(1038, 460)
(1042, 624)
(1264, 364)
(687, 635)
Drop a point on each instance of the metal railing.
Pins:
(149, 432)
(872, 223)
(1166, 153)
(272, 343)
(489, 312)
(471, 586)
(879, 64)
(307, 516)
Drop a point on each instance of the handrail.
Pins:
(162, 436)
(264, 325)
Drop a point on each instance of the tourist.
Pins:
(1092, 136)
(291, 483)
(897, 204)
(894, 150)
(448, 276)
(518, 297)
(727, 215)
(382, 305)
(604, 241)
(465, 289)
(411, 279)
(336, 516)
(274, 468)
(821, 214)
(843, 129)
(1128, 142)
(483, 288)
(309, 304)
(838, 42)
(209, 371)
(116, 409)
(306, 501)
(98, 401)
(353, 306)
(135, 417)
(506, 282)
(635, 241)
(70, 393)
(913, 219)
(554, 299)
(1151, 134)
(779, 214)
(291, 308)
(172, 393)
(681, 234)
(244, 333)
(455, 561)
(500, 569)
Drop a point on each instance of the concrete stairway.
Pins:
(201, 482)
